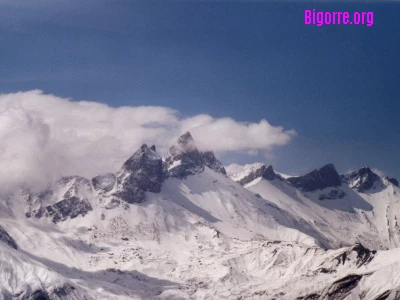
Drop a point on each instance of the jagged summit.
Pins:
(255, 171)
(186, 142)
(141, 158)
(140, 173)
(185, 159)
(361, 180)
(318, 179)
(365, 179)
(392, 180)
(212, 162)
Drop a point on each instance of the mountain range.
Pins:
(178, 227)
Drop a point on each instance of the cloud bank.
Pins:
(43, 137)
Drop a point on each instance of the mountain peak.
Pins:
(362, 179)
(318, 179)
(392, 180)
(186, 143)
(269, 173)
(185, 138)
(253, 172)
(140, 173)
(185, 159)
(139, 158)
(328, 168)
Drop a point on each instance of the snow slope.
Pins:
(179, 228)
(369, 218)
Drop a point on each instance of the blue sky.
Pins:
(337, 86)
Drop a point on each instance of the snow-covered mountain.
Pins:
(177, 227)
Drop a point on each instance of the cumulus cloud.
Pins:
(226, 134)
(44, 136)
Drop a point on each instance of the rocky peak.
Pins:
(186, 142)
(269, 173)
(392, 181)
(140, 173)
(253, 172)
(212, 162)
(67, 198)
(325, 177)
(185, 159)
(143, 158)
(362, 179)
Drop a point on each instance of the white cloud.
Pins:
(379, 172)
(43, 136)
(226, 134)
(234, 169)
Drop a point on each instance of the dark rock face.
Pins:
(145, 168)
(361, 180)
(69, 207)
(393, 181)
(38, 295)
(269, 173)
(71, 204)
(261, 171)
(325, 177)
(334, 194)
(364, 255)
(184, 159)
(342, 287)
(140, 173)
(212, 162)
(62, 291)
(7, 239)
(393, 294)
(338, 290)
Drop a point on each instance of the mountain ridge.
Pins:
(176, 227)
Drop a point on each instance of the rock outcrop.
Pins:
(67, 198)
(212, 162)
(325, 177)
(361, 180)
(70, 207)
(256, 171)
(184, 159)
(392, 181)
(6, 238)
(142, 172)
